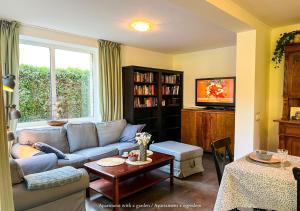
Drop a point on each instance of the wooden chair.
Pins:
(222, 155)
(296, 172)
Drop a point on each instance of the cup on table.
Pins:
(125, 154)
(282, 154)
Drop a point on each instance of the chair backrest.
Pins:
(222, 155)
(296, 172)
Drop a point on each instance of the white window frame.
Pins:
(52, 45)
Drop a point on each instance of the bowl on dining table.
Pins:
(263, 155)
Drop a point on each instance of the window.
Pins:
(54, 83)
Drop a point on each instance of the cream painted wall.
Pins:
(276, 88)
(262, 53)
(130, 55)
(141, 57)
(200, 64)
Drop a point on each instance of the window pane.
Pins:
(73, 84)
(34, 85)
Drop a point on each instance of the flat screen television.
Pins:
(216, 92)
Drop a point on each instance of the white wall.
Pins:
(245, 93)
(200, 64)
(130, 55)
(141, 57)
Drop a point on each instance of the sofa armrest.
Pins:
(24, 151)
(39, 163)
(25, 199)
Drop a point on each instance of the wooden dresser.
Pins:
(289, 130)
(200, 126)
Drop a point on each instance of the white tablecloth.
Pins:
(248, 184)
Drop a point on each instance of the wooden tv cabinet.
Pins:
(201, 126)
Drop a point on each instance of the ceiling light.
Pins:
(141, 26)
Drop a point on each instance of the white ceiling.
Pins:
(273, 12)
(176, 28)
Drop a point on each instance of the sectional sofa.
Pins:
(81, 142)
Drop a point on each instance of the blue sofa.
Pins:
(81, 142)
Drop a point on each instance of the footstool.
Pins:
(188, 158)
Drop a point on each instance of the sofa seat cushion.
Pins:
(39, 163)
(75, 160)
(82, 136)
(110, 132)
(179, 150)
(97, 153)
(53, 136)
(124, 147)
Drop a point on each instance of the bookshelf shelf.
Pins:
(144, 87)
(144, 83)
(145, 95)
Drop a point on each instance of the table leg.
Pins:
(116, 196)
(171, 173)
(87, 192)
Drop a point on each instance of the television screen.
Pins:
(215, 91)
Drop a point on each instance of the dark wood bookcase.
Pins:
(154, 97)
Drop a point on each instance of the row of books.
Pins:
(170, 102)
(143, 77)
(170, 90)
(171, 79)
(145, 102)
(144, 90)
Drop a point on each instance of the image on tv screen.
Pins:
(215, 91)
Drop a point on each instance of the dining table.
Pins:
(250, 184)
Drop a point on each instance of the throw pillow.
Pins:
(49, 149)
(129, 132)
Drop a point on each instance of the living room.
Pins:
(123, 105)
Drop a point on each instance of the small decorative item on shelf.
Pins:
(143, 139)
(132, 157)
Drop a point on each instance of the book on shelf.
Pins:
(143, 77)
(170, 90)
(170, 102)
(145, 102)
(171, 79)
(144, 90)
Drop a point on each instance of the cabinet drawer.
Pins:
(290, 130)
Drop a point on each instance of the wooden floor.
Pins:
(199, 189)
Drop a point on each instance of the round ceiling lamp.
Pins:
(141, 26)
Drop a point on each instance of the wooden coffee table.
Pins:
(124, 180)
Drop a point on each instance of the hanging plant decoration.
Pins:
(284, 39)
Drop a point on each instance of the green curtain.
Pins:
(9, 57)
(6, 197)
(110, 82)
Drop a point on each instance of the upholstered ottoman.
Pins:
(188, 158)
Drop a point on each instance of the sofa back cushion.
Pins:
(82, 136)
(110, 132)
(53, 136)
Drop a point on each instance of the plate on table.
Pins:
(273, 159)
(110, 161)
(149, 152)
